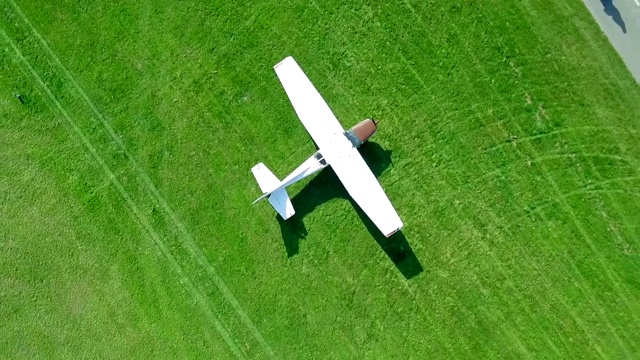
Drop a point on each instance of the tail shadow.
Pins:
(612, 11)
(326, 186)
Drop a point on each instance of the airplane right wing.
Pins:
(313, 111)
(364, 188)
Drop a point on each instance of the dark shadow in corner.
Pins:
(613, 11)
(395, 246)
(326, 186)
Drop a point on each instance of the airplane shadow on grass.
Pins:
(326, 186)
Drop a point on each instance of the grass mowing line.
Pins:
(481, 205)
(551, 290)
(568, 14)
(564, 303)
(568, 195)
(562, 199)
(416, 296)
(507, 275)
(186, 237)
(509, 330)
(497, 222)
(596, 129)
(439, 339)
(478, 65)
(573, 314)
(578, 25)
(138, 217)
(576, 223)
(584, 155)
(607, 192)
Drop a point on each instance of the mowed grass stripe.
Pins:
(186, 237)
(632, 162)
(509, 330)
(464, 345)
(562, 199)
(506, 272)
(136, 212)
(558, 195)
(506, 134)
(423, 82)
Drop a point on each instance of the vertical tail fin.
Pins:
(271, 187)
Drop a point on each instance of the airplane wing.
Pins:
(364, 188)
(313, 111)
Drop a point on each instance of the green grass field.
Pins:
(508, 143)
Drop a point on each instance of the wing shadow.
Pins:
(326, 186)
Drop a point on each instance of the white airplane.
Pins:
(337, 148)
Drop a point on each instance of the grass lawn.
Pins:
(508, 144)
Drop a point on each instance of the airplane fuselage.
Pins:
(357, 135)
(337, 148)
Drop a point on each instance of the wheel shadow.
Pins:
(326, 186)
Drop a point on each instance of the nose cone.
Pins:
(365, 129)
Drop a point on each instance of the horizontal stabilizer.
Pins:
(265, 178)
(274, 189)
(280, 201)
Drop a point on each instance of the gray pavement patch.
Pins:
(620, 21)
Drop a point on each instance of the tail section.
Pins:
(265, 178)
(272, 188)
(280, 201)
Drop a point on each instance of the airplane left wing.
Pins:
(364, 188)
(313, 111)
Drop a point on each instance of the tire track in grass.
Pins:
(138, 216)
(633, 165)
(418, 298)
(583, 27)
(571, 194)
(511, 333)
(578, 225)
(501, 266)
(597, 129)
(547, 175)
(185, 236)
(544, 158)
(509, 330)
(583, 233)
(509, 166)
(426, 316)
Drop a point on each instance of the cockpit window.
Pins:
(318, 156)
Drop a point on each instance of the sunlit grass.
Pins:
(507, 143)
